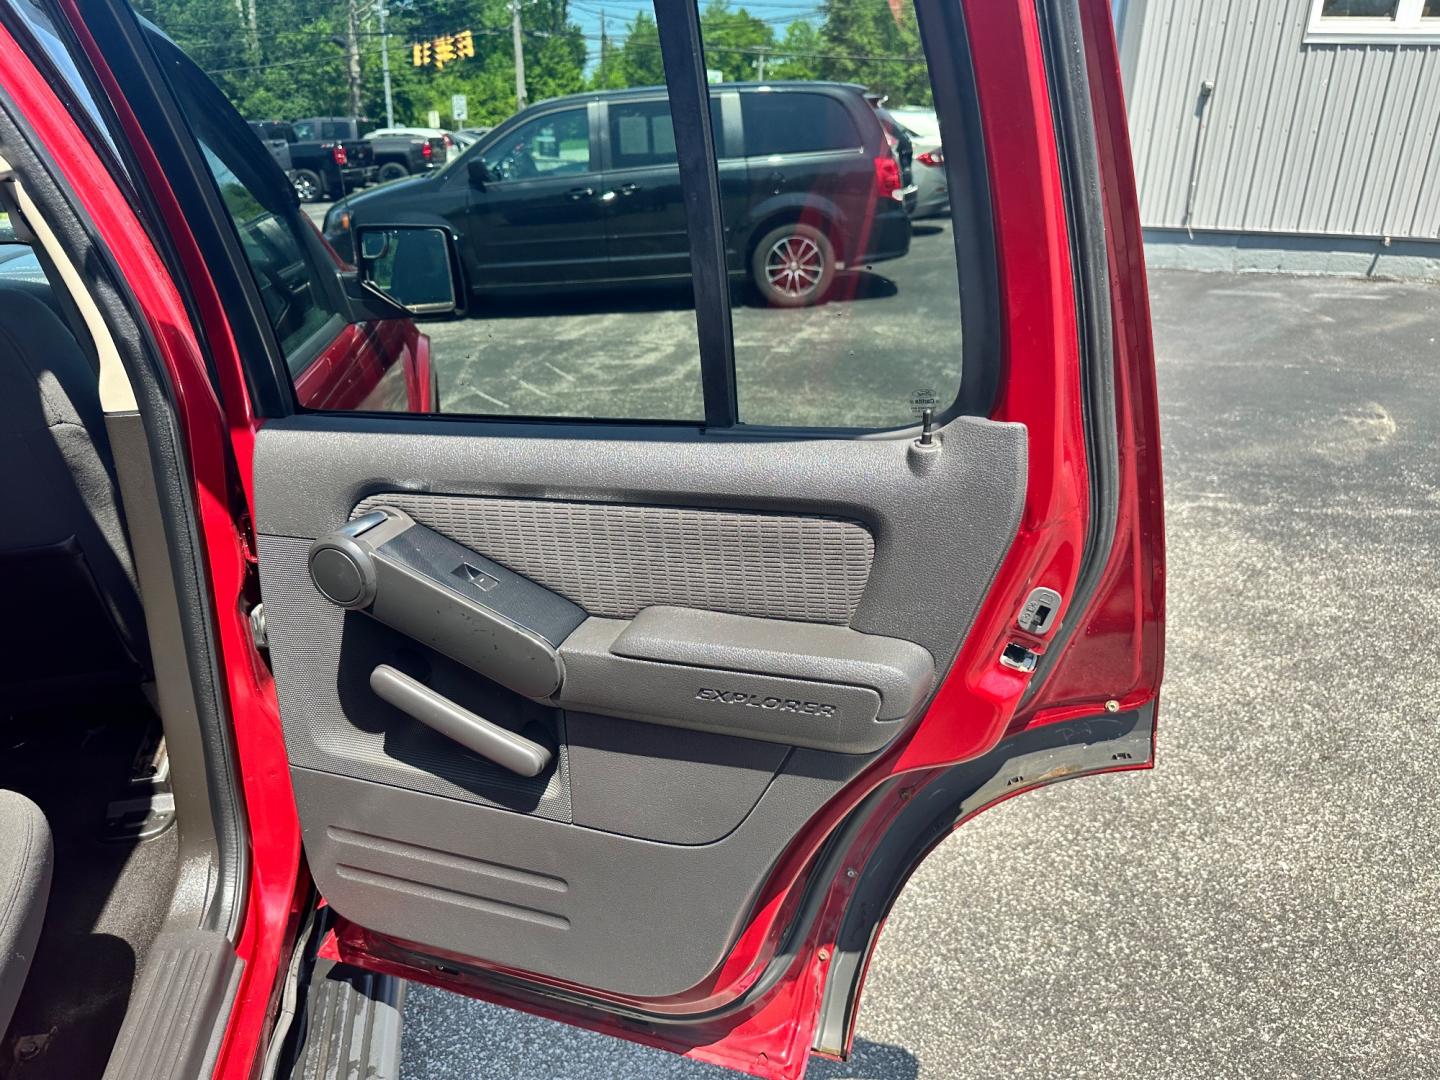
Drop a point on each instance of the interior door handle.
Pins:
(581, 193)
(489, 740)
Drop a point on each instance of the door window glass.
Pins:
(570, 249)
(557, 144)
(641, 134)
(838, 223)
(790, 122)
(292, 282)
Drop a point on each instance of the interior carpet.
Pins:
(107, 898)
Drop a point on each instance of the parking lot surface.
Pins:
(1266, 902)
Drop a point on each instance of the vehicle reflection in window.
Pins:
(287, 288)
(336, 360)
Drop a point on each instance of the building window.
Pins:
(1362, 21)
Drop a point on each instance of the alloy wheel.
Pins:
(794, 265)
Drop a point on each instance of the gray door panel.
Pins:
(632, 861)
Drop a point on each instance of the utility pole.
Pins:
(519, 55)
(760, 64)
(385, 66)
(352, 54)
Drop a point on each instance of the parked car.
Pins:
(932, 189)
(330, 158)
(402, 151)
(447, 138)
(277, 138)
(810, 183)
(899, 140)
(640, 724)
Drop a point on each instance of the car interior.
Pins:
(89, 847)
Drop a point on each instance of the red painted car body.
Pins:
(1118, 647)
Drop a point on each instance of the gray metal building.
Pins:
(1299, 135)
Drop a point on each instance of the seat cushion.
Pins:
(27, 856)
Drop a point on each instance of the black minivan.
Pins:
(585, 190)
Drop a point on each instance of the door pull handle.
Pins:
(581, 193)
(489, 740)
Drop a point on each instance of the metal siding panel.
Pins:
(1336, 118)
(1412, 146)
(1273, 131)
(1372, 181)
(1165, 126)
(1426, 221)
(1235, 90)
(1313, 139)
(1360, 187)
(1317, 76)
(1414, 209)
(1206, 36)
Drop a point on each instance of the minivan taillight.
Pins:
(340, 156)
(426, 150)
(887, 177)
(934, 158)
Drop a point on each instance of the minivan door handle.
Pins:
(579, 193)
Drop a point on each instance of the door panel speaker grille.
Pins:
(615, 560)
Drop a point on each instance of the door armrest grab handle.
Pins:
(489, 740)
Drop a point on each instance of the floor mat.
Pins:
(107, 899)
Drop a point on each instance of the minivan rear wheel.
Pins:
(793, 265)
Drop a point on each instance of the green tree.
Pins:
(609, 73)
(865, 43)
(286, 58)
(734, 40)
(640, 61)
(796, 53)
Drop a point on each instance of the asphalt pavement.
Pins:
(1265, 903)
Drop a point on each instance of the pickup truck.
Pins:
(330, 157)
(393, 154)
(400, 151)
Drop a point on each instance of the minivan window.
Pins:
(641, 134)
(796, 123)
(557, 144)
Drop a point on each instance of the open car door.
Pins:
(641, 720)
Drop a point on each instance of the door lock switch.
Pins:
(1038, 614)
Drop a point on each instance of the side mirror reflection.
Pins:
(410, 266)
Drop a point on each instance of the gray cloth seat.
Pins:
(27, 857)
(73, 619)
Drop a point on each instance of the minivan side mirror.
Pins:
(409, 265)
(479, 175)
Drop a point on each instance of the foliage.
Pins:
(286, 59)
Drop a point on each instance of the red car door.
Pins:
(641, 723)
